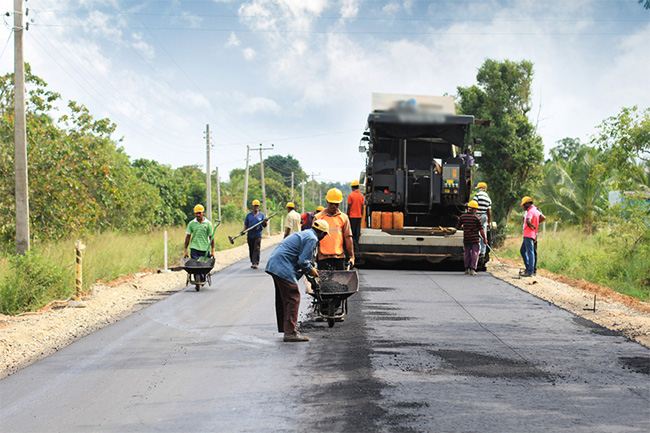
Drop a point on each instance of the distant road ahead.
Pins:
(419, 351)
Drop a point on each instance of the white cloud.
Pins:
(258, 104)
(141, 46)
(249, 53)
(233, 40)
(194, 21)
(349, 8)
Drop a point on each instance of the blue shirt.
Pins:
(250, 221)
(292, 258)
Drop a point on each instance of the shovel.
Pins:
(232, 238)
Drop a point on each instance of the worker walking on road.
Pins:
(484, 211)
(308, 218)
(531, 224)
(290, 260)
(355, 211)
(254, 236)
(198, 236)
(331, 253)
(471, 225)
(293, 220)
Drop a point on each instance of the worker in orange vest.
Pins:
(355, 211)
(331, 252)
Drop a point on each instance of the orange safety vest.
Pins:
(333, 244)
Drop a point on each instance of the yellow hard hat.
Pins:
(473, 204)
(321, 225)
(256, 202)
(334, 195)
(320, 208)
(481, 185)
(355, 183)
(199, 208)
(525, 200)
(291, 205)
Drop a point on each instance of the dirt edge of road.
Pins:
(28, 338)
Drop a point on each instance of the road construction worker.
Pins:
(331, 252)
(292, 225)
(471, 225)
(308, 218)
(254, 236)
(355, 211)
(531, 225)
(289, 261)
(199, 236)
(484, 210)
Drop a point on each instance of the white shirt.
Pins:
(293, 222)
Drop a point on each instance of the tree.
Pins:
(645, 3)
(566, 147)
(512, 149)
(172, 196)
(574, 187)
(626, 139)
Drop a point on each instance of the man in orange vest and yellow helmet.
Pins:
(331, 255)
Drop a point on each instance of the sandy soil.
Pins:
(27, 338)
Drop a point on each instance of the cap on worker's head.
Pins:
(199, 208)
(334, 195)
(473, 204)
(256, 202)
(355, 183)
(322, 226)
(481, 185)
(525, 200)
(320, 208)
(291, 205)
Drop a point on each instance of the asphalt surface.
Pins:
(419, 351)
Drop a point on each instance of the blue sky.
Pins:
(299, 74)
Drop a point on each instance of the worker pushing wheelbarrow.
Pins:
(200, 240)
(331, 291)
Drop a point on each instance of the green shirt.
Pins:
(201, 233)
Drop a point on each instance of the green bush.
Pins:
(31, 282)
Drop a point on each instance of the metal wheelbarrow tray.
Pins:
(196, 267)
(331, 298)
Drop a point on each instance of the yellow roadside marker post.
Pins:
(78, 276)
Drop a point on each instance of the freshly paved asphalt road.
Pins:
(420, 351)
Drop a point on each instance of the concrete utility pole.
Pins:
(313, 185)
(248, 151)
(268, 227)
(208, 176)
(292, 186)
(20, 135)
(303, 197)
(218, 194)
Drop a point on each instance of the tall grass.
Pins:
(47, 273)
(600, 258)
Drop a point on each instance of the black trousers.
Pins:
(254, 248)
(331, 264)
(355, 225)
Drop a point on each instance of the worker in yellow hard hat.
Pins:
(292, 225)
(472, 227)
(332, 250)
(355, 211)
(254, 236)
(289, 261)
(484, 211)
(199, 237)
(531, 225)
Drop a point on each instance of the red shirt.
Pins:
(355, 204)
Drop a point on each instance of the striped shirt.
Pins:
(471, 225)
(484, 202)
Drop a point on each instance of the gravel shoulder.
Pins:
(28, 338)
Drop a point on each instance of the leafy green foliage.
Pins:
(32, 282)
(512, 149)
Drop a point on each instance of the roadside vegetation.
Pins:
(83, 186)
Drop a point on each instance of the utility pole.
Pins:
(313, 185)
(208, 176)
(218, 195)
(292, 186)
(248, 151)
(20, 135)
(268, 228)
(303, 197)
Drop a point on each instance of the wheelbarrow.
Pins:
(195, 268)
(331, 293)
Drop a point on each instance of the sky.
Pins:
(297, 76)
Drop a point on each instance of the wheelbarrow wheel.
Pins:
(197, 287)
(331, 310)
